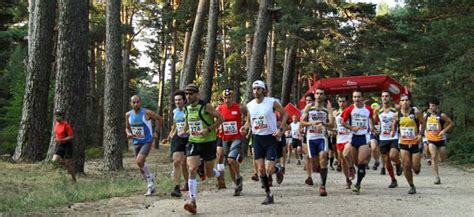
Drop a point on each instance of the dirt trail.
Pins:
(454, 197)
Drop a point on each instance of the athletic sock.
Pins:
(360, 173)
(192, 185)
(220, 167)
(216, 173)
(264, 180)
(324, 176)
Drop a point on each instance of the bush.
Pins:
(460, 148)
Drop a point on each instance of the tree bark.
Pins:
(32, 133)
(263, 25)
(271, 63)
(189, 74)
(210, 55)
(71, 87)
(187, 39)
(288, 74)
(113, 116)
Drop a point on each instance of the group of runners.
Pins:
(202, 135)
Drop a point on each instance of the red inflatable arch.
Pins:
(371, 83)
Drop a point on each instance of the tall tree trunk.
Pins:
(195, 44)
(32, 134)
(72, 68)
(271, 63)
(92, 104)
(288, 75)
(248, 55)
(171, 105)
(31, 23)
(263, 25)
(210, 55)
(224, 70)
(100, 77)
(187, 39)
(113, 116)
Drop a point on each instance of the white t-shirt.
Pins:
(360, 117)
(295, 129)
(386, 122)
(262, 118)
(320, 131)
(343, 134)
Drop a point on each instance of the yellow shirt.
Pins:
(408, 128)
(433, 127)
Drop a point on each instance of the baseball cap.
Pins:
(227, 92)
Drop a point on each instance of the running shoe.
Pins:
(348, 184)
(394, 184)
(184, 187)
(190, 206)
(149, 192)
(238, 186)
(356, 189)
(322, 191)
(176, 192)
(268, 199)
(352, 173)
(382, 171)
(437, 180)
(339, 168)
(309, 181)
(255, 177)
(412, 190)
(376, 165)
(288, 161)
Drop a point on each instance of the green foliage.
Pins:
(10, 118)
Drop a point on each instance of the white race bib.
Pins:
(434, 127)
(361, 122)
(260, 123)
(138, 132)
(407, 133)
(230, 128)
(195, 127)
(180, 126)
(386, 130)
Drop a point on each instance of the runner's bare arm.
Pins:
(215, 114)
(303, 118)
(449, 124)
(394, 124)
(421, 119)
(331, 120)
(284, 118)
(152, 115)
(245, 127)
(127, 126)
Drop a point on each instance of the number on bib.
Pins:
(230, 127)
(138, 132)
(195, 127)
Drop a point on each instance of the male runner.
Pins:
(295, 138)
(343, 145)
(64, 137)
(262, 119)
(138, 128)
(409, 119)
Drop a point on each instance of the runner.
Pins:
(437, 124)
(408, 120)
(343, 145)
(138, 128)
(318, 118)
(231, 138)
(374, 141)
(178, 143)
(295, 138)
(64, 138)
(359, 118)
(202, 120)
(262, 119)
(308, 162)
(389, 144)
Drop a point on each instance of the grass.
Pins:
(31, 188)
(37, 187)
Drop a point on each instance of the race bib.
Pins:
(360, 122)
(316, 130)
(434, 127)
(138, 132)
(180, 126)
(195, 127)
(407, 133)
(260, 123)
(230, 128)
(386, 130)
(343, 131)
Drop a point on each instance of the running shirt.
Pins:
(140, 127)
(320, 131)
(386, 122)
(343, 134)
(262, 118)
(295, 129)
(408, 128)
(179, 118)
(433, 127)
(359, 117)
(62, 129)
(232, 122)
(198, 119)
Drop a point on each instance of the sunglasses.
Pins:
(188, 93)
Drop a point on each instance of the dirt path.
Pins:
(454, 197)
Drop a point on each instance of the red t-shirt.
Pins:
(232, 122)
(62, 129)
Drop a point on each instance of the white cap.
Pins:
(258, 83)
